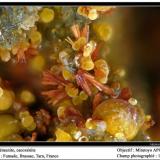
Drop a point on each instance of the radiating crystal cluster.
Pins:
(56, 84)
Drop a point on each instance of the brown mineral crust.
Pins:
(72, 115)
(42, 119)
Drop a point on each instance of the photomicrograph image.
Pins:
(79, 73)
